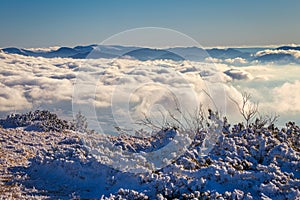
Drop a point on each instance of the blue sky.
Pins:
(36, 23)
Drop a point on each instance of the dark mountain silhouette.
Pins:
(13, 50)
(177, 53)
(282, 57)
(153, 54)
(227, 53)
(190, 53)
(288, 48)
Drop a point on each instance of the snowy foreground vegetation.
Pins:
(43, 157)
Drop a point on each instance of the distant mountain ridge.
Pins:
(153, 54)
(279, 54)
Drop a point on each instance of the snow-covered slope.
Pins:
(257, 163)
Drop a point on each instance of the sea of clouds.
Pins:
(117, 92)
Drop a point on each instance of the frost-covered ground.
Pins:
(257, 163)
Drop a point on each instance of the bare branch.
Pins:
(247, 109)
(268, 119)
(210, 99)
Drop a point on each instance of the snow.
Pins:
(252, 164)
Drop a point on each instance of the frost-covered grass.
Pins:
(248, 163)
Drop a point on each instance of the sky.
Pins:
(36, 23)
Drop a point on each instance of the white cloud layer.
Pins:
(141, 86)
(287, 97)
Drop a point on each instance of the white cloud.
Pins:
(12, 98)
(29, 80)
(292, 52)
(287, 96)
(46, 49)
(236, 61)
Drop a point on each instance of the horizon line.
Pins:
(203, 47)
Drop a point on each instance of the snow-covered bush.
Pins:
(80, 124)
(44, 120)
(39, 120)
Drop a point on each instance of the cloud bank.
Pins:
(36, 82)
